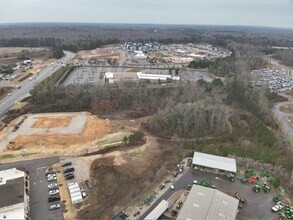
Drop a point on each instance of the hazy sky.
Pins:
(276, 13)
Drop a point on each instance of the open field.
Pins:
(9, 55)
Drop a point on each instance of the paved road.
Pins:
(286, 125)
(38, 187)
(28, 84)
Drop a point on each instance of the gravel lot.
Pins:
(81, 172)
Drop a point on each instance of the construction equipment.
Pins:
(179, 205)
(249, 173)
(264, 174)
(204, 183)
(277, 198)
(252, 179)
(257, 188)
(231, 177)
(281, 191)
(265, 187)
(237, 196)
(289, 211)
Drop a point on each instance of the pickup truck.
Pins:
(279, 206)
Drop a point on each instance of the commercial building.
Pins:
(217, 163)
(14, 194)
(205, 203)
(120, 77)
(158, 211)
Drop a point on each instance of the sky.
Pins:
(271, 13)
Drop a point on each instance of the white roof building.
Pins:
(215, 162)
(75, 193)
(158, 211)
(14, 199)
(205, 203)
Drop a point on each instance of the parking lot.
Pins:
(39, 204)
(95, 75)
(276, 79)
(258, 204)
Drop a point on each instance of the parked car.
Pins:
(53, 192)
(54, 198)
(71, 169)
(51, 174)
(195, 182)
(68, 177)
(188, 187)
(162, 186)
(68, 174)
(172, 187)
(66, 164)
(55, 206)
(53, 185)
(89, 184)
(279, 206)
(51, 178)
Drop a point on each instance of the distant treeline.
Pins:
(79, 40)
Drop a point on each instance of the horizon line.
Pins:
(158, 24)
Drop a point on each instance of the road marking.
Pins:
(34, 183)
(41, 168)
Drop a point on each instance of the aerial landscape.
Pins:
(150, 110)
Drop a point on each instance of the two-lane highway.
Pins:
(19, 93)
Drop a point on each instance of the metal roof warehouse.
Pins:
(215, 162)
(205, 203)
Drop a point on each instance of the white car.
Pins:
(279, 206)
(172, 187)
(55, 206)
(53, 192)
(51, 178)
(194, 181)
(52, 185)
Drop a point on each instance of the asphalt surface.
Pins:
(27, 85)
(39, 205)
(259, 204)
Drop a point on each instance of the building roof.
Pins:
(158, 211)
(216, 162)
(11, 187)
(205, 203)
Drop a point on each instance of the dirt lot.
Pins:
(45, 141)
(4, 91)
(46, 122)
(99, 53)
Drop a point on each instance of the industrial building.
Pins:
(212, 162)
(14, 192)
(158, 211)
(75, 193)
(205, 203)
